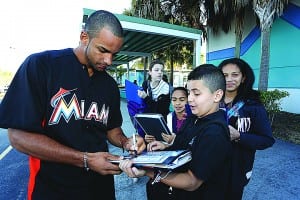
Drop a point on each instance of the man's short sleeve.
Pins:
(22, 106)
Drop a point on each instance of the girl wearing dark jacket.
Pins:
(249, 126)
(156, 92)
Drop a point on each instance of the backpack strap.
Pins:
(233, 111)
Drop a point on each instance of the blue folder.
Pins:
(132, 92)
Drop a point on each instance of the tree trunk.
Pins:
(237, 50)
(238, 36)
(264, 62)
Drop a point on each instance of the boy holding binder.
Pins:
(205, 134)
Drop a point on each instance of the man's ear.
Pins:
(84, 38)
(218, 95)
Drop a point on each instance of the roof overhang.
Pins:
(143, 37)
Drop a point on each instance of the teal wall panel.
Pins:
(285, 44)
(285, 77)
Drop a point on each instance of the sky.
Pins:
(35, 25)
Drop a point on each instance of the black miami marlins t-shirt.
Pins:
(52, 94)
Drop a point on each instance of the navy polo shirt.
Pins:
(52, 94)
(211, 154)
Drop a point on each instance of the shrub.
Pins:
(272, 101)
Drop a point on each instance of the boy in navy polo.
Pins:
(207, 136)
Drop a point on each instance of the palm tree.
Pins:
(265, 10)
(149, 9)
(221, 14)
(218, 14)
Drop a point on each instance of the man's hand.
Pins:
(137, 146)
(99, 162)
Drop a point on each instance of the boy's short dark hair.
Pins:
(212, 76)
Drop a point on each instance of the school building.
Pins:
(145, 36)
(284, 68)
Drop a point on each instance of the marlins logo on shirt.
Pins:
(73, 108)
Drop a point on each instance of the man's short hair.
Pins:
(100, 19)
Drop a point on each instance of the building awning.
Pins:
(143, 37)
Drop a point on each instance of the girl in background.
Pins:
(156, 92)
(249, 126)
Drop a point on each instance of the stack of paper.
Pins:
(160, 159)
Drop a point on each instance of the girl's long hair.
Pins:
(245, 90)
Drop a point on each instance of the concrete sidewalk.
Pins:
(276, 173)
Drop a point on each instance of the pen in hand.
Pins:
(134, 150)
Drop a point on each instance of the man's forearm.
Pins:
(44, 148)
